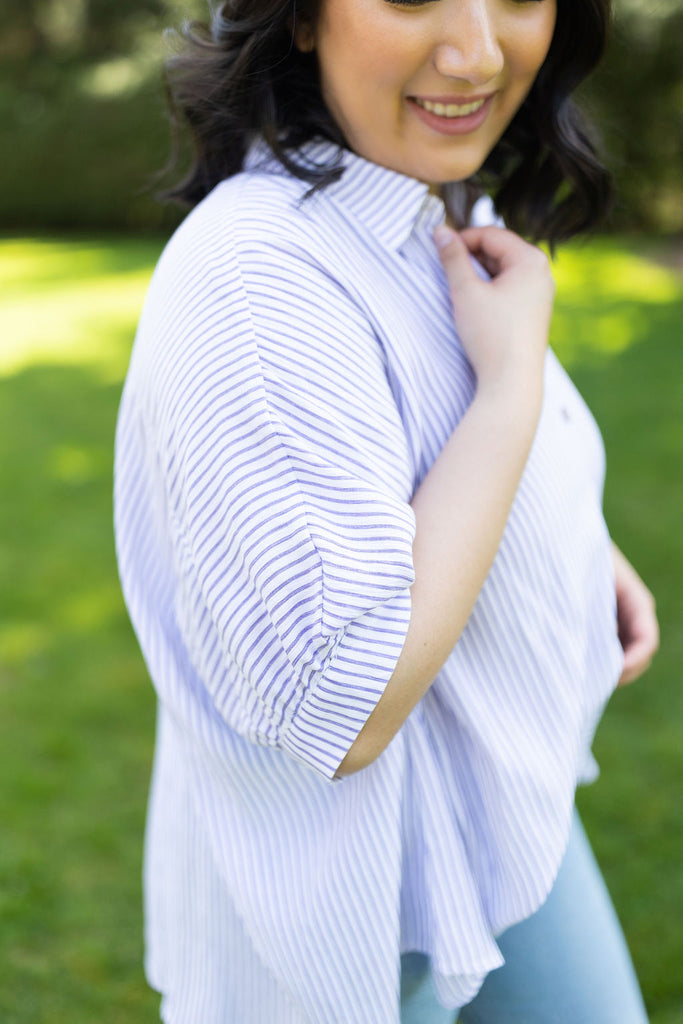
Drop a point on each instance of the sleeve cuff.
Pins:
(355, 676)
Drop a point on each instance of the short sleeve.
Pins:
(288, 483)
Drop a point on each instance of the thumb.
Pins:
(455, 256)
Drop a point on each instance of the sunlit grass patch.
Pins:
(71, 302)
(605, 299)
(77, 713)
(602, 269)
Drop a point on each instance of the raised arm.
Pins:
(464, 501)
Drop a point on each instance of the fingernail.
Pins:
(442, 236)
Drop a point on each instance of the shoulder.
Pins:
(254, 261)
(250, 232)
(250, 209)
(248, 228)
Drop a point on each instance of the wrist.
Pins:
(514, 398)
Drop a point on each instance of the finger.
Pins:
(633, 672)
(455, 257)
(639, 626)
(498, 248)
(637, 659)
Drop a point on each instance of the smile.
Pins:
(448, 118)
(451, 109)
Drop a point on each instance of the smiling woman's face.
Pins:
(427, 88)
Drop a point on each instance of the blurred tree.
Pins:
(22, 34)
(637, 97)
(83, 28)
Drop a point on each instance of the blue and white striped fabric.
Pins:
(295, 374)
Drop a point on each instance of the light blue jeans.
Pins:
(567, 964)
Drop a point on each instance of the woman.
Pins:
(359, 527)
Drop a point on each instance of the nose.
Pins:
(468, 46)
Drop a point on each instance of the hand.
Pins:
(503, 323)
(636, 619)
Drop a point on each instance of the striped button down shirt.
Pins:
(295, 374)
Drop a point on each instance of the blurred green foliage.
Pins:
(83, 124)
(83, 128)
(636, 99)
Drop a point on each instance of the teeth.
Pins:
(451, 109)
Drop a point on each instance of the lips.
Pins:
(452, 115)
(451, 109)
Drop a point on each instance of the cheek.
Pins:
(361, 86)
(531, 46)
(539, 42)
(362, 53)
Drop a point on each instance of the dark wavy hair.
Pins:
(242, 76)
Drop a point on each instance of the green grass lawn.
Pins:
(77, 712)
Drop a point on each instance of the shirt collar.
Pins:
(390, 205)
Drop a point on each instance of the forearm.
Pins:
(461, 509)
(464, 501)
